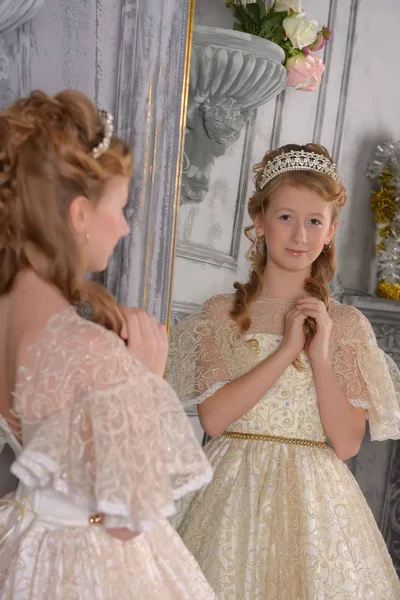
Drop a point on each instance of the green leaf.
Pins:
(254, 18)
(277, 35)
(240, 16)
(254, 12)
(272, 28)
(246, 21)
(276, 18)
(263, 10)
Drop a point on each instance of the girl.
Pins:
(276, 369)
(102, 444)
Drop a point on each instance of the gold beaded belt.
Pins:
(265, 437)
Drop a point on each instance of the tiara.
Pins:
(298, 160)
(107, 122)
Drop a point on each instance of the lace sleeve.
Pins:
(111, 434)
(201, 353)
(369, 378)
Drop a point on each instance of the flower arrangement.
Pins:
(284, 23)
(384, 172)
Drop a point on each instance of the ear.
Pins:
(258, 225)
(332, 232)
(79, 214)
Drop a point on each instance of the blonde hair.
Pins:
(323, 268)
(45, 162)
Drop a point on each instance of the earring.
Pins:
(260, 239)
(327, 247)
(87, 238)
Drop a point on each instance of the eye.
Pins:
(284, 217)
(315, 222)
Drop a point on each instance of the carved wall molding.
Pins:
(215, 257)
(152, 77)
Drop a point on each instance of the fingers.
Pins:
(124, 332)
(315, 314)
(139, 324)
(312, 307)
(310, 302)
(295, 314)
(146, 339)
(127, 314)
(148, 326)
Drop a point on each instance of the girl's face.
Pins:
(297, 224)
(99, 228)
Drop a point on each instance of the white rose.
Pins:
(299, 31)
(282, 5)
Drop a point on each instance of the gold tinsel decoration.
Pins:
(384, 172)
(384, 205)
(386, 177)
(390, 291)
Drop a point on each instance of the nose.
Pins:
(299, 234)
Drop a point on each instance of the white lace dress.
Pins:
(100, 435)
(284, 519)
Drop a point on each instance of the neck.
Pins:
(283, 285)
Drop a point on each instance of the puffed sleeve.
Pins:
(110, 435)
(201, 356)
(369, 377)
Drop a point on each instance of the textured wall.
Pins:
(72, 44)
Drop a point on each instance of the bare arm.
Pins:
(344, 424)
(236, 398)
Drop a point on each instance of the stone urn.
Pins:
(231, 74)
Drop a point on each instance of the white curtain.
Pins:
(14, 13)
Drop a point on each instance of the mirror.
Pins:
(231, 123)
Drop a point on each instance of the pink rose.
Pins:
(304, 72)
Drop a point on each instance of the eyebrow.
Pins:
(314, 214)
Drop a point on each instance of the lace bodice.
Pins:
(290, 408)
(101, 429)
(207, 351)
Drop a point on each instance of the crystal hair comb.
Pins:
(107, 121)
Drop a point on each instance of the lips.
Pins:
(296, 252)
